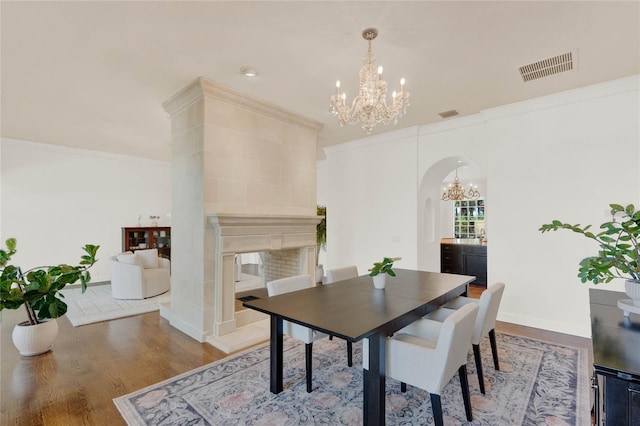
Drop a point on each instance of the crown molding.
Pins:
(203, 88)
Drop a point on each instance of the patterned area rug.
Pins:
(96, 305)
(539, 384)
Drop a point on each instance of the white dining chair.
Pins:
(343, 273)
(489, 303)
(340, 274)
(427, 354)
(305, 334)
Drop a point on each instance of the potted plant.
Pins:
(38, 289)
(321, 240)
(619, 249)
(380, 270)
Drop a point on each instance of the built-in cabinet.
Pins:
(140, 238)
(466, 259)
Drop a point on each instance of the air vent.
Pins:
(447, 114)
(547, 67)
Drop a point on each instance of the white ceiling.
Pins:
(94, 74)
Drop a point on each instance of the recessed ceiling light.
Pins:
(447, 114)
(248, 71)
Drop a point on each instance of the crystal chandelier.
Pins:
(370, 106)
(455, 191)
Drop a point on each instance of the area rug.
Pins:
(97, 305)
(539, 383)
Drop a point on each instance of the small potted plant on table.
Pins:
(380, 270)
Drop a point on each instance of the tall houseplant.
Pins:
(38, 289)
(321, 240)
(321, 231)
(618, 249)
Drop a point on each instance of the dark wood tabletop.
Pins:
(353, 309)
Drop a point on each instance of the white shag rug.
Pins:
(96, 305)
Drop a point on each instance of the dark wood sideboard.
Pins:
(616, 360)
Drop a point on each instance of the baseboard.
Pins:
(546, 325)
(91, 284)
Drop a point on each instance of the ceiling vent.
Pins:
(447, 114)
(549, 66)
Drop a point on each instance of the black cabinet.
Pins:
(465, 259)
(616, 360)
(451, 259)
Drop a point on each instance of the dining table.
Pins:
(354, 309)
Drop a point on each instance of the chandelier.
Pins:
(370, 106)
(455, 191)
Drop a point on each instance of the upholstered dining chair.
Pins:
(339, 274)
(485, 322)
(343, 273)
(305, 334)
(427, 354)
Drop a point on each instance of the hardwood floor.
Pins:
(90, 365)
(75, 383)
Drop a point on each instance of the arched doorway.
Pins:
(435, 217)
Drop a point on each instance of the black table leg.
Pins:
(276, 354)
(374, 382)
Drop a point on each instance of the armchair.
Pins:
(139, 275)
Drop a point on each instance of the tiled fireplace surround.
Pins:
(243, 177)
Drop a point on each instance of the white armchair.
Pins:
(139, 275)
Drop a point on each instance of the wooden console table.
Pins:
(616, 360)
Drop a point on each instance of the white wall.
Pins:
(55, 200)
(567, 157)
(371, 201)
(564, 156)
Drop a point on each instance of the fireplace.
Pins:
(238, 163)
(287, 245)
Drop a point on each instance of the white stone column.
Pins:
(225, 321)
(230, 153)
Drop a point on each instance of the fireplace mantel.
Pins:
(247, 233)
(225, 220)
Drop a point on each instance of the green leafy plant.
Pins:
(618, 252)
(38, 289)
(321, 231)
(384, 267)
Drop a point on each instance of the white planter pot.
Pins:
(632, 288)
(379, 281)
(36, 339)
(319, 273)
